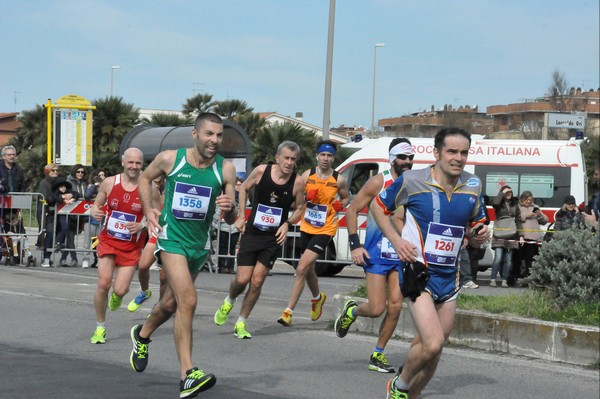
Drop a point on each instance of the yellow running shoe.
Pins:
(99, 336)
(317, 307)
(222, 314)
(240, 331)
(136, 304)
(115, 302)
(393, 392)
(285, 319)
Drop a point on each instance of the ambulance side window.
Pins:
(358, 175)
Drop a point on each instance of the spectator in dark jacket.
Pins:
(568, 216)
(45, 209)
(13, 178)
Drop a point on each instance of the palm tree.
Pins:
(33, 132)
(113, 118)
(252, 123)
(231, 109)
(167, 120)
(265, 144)
(199, 103)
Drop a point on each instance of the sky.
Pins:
(272, 53)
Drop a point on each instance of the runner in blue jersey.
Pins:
(443, 208)
(378, 258)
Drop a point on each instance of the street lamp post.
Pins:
(112, 72)
(374, 75)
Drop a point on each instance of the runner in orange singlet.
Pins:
(319, 225)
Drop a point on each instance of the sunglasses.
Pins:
(53, 170)
(81, 171)
(403, 157)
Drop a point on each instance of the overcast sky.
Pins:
(272, 54)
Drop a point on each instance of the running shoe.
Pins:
(393, 392)
(195, 382)
(240, 331)
(139, 355)
(136, 304)
(317, 307)
(99, 336)
(380, 363)
(115, 302)
(285, 319)
(345, 320)
(470, 284)
(222, 314)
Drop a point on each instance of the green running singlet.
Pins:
(189, 207)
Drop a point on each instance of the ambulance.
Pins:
(550, 169)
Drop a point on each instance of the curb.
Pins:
(559, 342)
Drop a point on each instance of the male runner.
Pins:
(380, 262)
(147, 258)
(319, 225)
(195, 179)
(121, 239)
(442, 204)
(276, 188)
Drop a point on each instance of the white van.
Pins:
(550, 169)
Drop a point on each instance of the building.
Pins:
(273, 118)
(9, 124)
(526, 118)
(428, 123)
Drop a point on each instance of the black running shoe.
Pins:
(195, 382)
(139, 354)
(344, 321)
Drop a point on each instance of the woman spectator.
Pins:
(568, 216)
(77, 180)
(92, 227)
(92, 188)
(45, 210)
(506, 206)
(532, 218)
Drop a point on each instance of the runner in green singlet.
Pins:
(197, 180)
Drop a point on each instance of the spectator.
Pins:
(92, 188)
(593, 209)
(568, 216)
(45, 210)
(228, 238)
(13, 178)
(62, 192)
(77, 180)
(532, 218)
(505, 205)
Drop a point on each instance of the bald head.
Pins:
(132, 151)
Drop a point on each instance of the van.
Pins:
(550, 169)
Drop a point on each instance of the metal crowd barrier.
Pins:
(337, 255)
(79, 211)
(19, 222)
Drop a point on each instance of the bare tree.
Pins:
(558, 90)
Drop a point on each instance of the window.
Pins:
(358, 174)
(549, 185)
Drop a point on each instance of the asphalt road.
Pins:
(47, 319)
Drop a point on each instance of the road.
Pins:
(47, 318)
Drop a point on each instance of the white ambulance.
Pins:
(550, 169)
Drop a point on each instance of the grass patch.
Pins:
(532, 304)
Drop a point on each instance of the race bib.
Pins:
(267, 217)
(387, 250)
(116, 226)
(443, 243)
(190, 201)
(315, 214)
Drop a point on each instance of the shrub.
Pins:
(567, 267)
